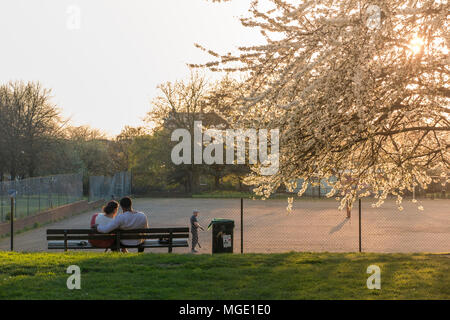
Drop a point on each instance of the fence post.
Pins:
(50, 194)
(12, 223)
(242, 225)
(1, 201)
(58, 192)
(319, 188)
(28, 197)
(131, 181)
(15, 202)
(39, 197)
(359, 209)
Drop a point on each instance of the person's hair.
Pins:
(110, 207)
(125, 203)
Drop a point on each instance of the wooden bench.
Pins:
(154, 238)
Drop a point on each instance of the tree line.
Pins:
(362, 106)
(35, 140)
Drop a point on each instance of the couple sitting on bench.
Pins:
(109, 221)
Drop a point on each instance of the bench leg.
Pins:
(170, 241)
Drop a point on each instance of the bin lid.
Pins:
(219, 220)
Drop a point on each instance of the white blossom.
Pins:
(369, 106)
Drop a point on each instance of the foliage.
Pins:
(150, 163)
(359, 91)
(178, 106)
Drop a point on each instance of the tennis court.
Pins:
(313, 225)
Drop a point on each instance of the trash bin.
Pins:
(222, 235)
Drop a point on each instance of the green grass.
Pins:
(250, 276)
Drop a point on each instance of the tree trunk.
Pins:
(13, 173)
(217, 182)
(240, 183)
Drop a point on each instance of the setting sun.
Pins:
(416, 44)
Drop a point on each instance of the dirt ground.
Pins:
(314, 225)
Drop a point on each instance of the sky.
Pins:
(103, 59)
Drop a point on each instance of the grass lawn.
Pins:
(249, 276)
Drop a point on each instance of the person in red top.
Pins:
(108, 215)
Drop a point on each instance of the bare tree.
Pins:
(179, 105)
(28, 121)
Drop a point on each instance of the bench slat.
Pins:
(150, 230)
(71, 244)
(85, 237)
(122, 237)
(64, 239)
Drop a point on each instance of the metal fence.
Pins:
(314, 225)
(110, 187)
(438, 188)
(318, 225)
(36, 195)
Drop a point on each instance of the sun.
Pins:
(416, 44)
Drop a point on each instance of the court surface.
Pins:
(313, 225)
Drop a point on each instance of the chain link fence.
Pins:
(314, 225)
(318, 225)
(110, 187)
(36, 195)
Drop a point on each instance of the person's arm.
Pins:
(198, 225)
(146, 222)
(110, 226)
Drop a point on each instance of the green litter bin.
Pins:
(222, 235)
